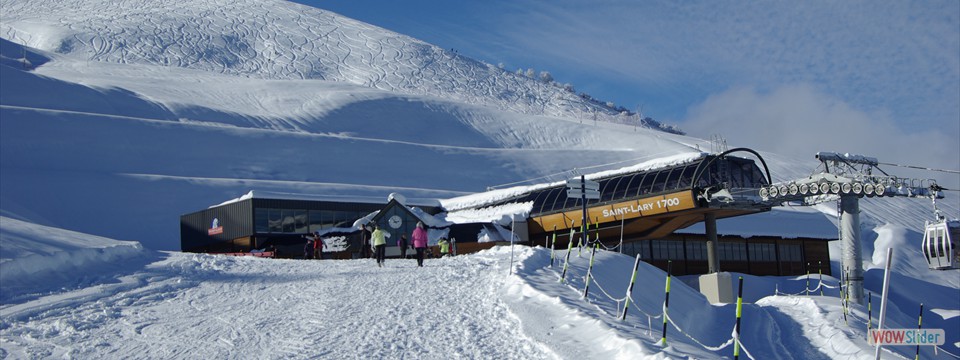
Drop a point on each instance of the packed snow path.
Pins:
(195, 306)
(215, 307)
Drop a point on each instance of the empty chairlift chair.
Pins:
(940, 244)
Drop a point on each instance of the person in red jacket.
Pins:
(419, 238)
(318, 246)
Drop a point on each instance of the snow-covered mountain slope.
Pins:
(121, 121)
(138, 139)
(280, 40)
(147, 140)
(88, 121)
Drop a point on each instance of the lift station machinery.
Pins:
(850, 177)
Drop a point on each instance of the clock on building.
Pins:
(395, 221)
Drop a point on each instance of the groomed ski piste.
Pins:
(102, 147)
(84, 296)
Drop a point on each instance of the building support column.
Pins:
(713, 262)
(850, 242)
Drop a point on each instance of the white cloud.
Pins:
(799, 121)
(902, 57)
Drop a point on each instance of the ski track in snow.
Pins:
(179, 308)
(221, 125)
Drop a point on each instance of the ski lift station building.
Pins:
(686, 209)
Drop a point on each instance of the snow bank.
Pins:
(34, 256)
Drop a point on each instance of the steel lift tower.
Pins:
(848, 178)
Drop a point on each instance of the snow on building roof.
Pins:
(481, 199)
(494, 214)
(372, 199)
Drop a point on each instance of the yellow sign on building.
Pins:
(654, 205)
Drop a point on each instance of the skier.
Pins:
(419, 238)
(379, 242)
(444, 247)
(308, 248)
(318, 246)
(402, 243)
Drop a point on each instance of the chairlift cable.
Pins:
(922, 168)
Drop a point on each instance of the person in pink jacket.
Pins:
(419, 238)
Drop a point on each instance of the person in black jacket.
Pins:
(403, 244)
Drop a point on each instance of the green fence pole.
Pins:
(566, 260)
(806, 290)
(584, 225)
(546, 240)
(846, 298)
(586, 288)
(919, 323)
(633, 278)
(583, 234)
(666, 304)
(869, 313)
(736, 334)
(820, 273)
(843, 289)
(584, 228)
(596, 230)
(553, 245)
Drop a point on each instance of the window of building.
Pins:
(672, 179)
(696, 250)
(666, 249)
(300, 221)
(606, 190)
(275, 218)
(341, 218)
(289, 221)
(261, 220)
(732, 251)
(634, 248)
(315, 220)
(760, 252)
(791, 252)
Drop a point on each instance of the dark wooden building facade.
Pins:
(651, 210)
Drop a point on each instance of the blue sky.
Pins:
(795, 78)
